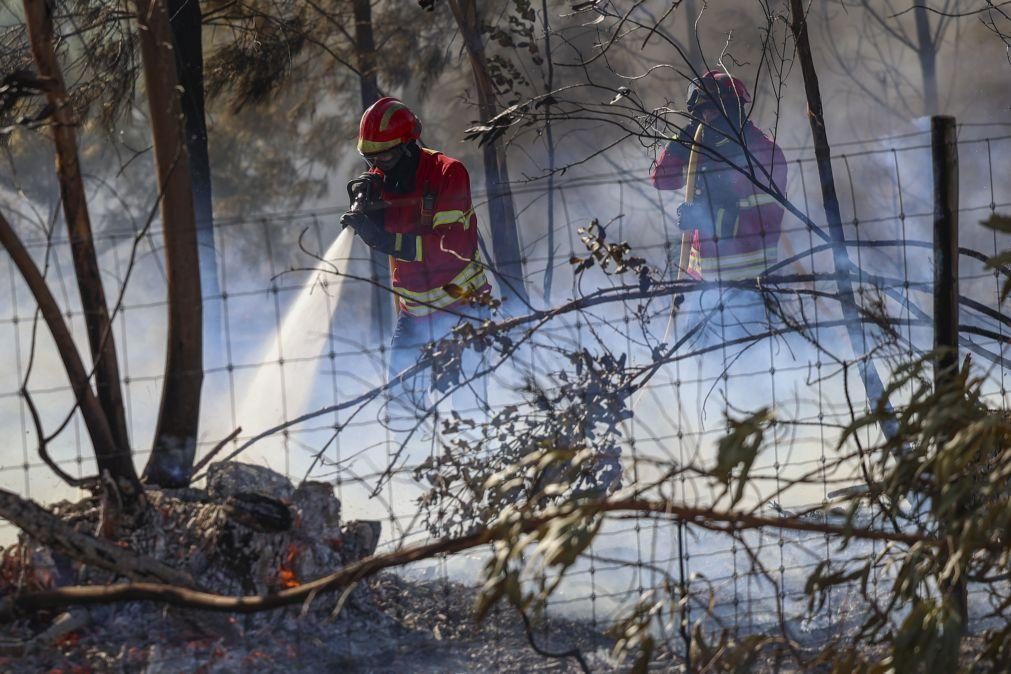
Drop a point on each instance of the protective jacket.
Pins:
(445, 265)
(740, 233)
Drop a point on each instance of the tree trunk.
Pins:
(549, 139)
(176, 433)
(695, 57)
(504, 235)
(110, 457)
(38, 18)
(186, 23)
(926, 52)
(365, 47)
(823, 154)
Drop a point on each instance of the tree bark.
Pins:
(926, 52)
(109, 456)
(38, 17)
(186, 22)
(944, 145)
(175, 436)
(823, 154)
(504, 235)
(944, 154)
(50, 530)
(365, 48)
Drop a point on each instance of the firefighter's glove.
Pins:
(402, 246)
(355, 220)
(365, 191)
(367, 228)
(694, 216)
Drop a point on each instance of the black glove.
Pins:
(364, 226)
(402, 246)
(365, 191)
(694, 215)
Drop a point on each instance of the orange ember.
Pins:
(286, 575)
(254, 656)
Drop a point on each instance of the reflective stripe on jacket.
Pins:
(438, 211)
(470, 280)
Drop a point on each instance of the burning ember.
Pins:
(286, 576)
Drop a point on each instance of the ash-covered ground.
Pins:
(392, 625)
(251, 532)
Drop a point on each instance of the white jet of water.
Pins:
(282, 386)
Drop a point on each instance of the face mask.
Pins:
(399, 177)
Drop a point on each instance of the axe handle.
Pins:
(687, 238)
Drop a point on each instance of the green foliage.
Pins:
(546, 551)
(252, 67)
(928, 638)
(15, 89)
(1000, 223)
(940, 488)
(633, 632)
(738, 449)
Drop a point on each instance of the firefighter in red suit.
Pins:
(738, 221)
(422, 217)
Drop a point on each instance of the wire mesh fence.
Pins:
(298, 338)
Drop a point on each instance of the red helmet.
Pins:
(714, 86)
(386, 124)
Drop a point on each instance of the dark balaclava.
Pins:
(400, 178)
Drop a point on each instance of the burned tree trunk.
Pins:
(176, 433)
(365, 47)
(186, 22)
(39, 20)
(504, 235)
(112, 459)
(926, 52)
(823, 154)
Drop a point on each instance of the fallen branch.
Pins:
(48, 529)
(545, 653)
(16, 605)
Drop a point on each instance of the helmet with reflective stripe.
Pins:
(386, 124)
(717, 88)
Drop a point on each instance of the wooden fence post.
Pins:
(944, 152)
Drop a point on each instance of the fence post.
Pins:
(944, 151)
